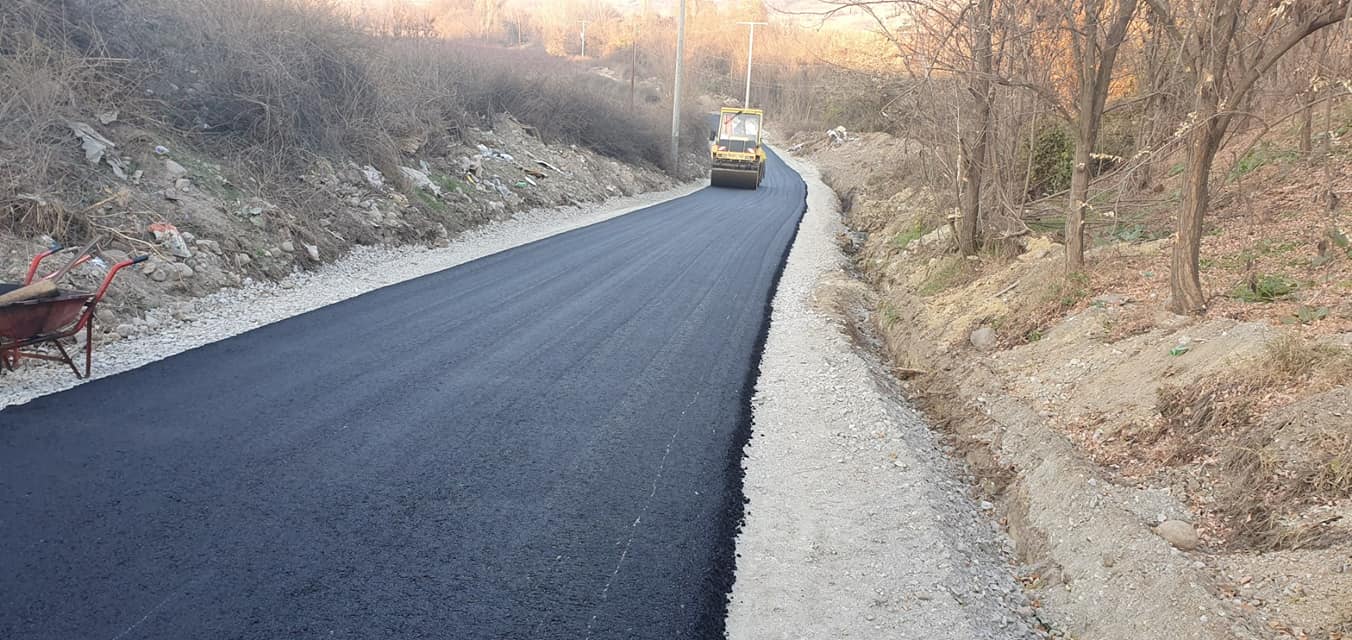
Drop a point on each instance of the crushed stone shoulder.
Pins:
(858, 524)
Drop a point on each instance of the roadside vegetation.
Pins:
(271, 86)
(1146, 247)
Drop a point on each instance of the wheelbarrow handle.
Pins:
(37, 260)
(112, 273)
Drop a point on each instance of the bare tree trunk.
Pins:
(1185, 282)
(1079, 201)
(972, 167)
(1098, 56)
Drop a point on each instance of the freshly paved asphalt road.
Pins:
(544, 443)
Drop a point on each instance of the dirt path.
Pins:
(857, 523)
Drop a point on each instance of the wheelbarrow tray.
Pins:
(28, 320)
(43, 322)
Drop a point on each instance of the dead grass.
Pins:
(1134, 321)
(1044, 303)
(1256, 485)
(274, 84)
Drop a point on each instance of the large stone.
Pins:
(1178, 533)
(373, 177)
(174, 169)
(210, 245)
(985, 339)
(179, 248)
(420, 180)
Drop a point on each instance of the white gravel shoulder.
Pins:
(230, 312)
(858, 525)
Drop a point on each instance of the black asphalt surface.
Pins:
(543, 443)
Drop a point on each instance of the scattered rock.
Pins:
(1179, 533)
(942, 235)
(984, 339)
(242, 259)
(169, 237)
(420, 180)
(1111, 300)
(373, 177)
(210, 246)
(469, 166)
(288, 247)
(173, 169)
(312, 251)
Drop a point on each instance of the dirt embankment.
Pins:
(247, 140)
(225, 233)
(1163, 476)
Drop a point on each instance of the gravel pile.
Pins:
(230, 312)
(858, 524)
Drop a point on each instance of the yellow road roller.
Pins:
(735, 150)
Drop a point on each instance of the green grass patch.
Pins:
(448, 183)
(1275, 247)
(948, 273)
(1268, 288)
(905, 238)
(1073, 289)
(889, 313)
(430, 200)
(1260, 156)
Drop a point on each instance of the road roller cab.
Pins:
(736, 153)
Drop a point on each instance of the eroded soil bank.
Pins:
(1161, 476)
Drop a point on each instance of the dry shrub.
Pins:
(273, 84)
(1131, 321)
(1050, 298)
(1219, 420)
(44, 82)
(565, 104)
(1293, 358)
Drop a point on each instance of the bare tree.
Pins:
(977, 132)
(1095, 44)
(1228, 45)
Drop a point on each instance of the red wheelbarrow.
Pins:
(46, 321)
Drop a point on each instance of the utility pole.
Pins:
(633, 67)
(676, 90)
(750, 47)
(584, 36)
